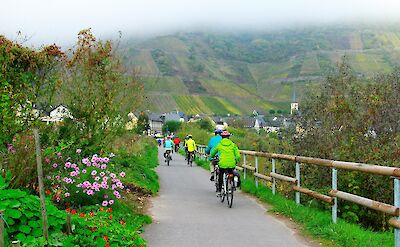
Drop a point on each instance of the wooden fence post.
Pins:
(244, 168)
(273, 179)
(298, 182)
(256, 171)
(68, 226)
(1, 228)
(41, 185)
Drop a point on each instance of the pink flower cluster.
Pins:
(89, 178)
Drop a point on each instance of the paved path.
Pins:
(188, 213)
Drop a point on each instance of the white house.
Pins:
(58, 114)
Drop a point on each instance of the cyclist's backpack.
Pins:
(236, 178)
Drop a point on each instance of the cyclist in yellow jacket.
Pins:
(191, 147)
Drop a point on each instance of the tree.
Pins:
(206, 124)
(98, 89)
(171, 126)
(142, 123)
(272, 112)
(28, 79)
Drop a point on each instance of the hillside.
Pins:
(220, 73)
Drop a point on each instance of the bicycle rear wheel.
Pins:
(229, 193)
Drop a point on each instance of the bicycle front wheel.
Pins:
(229, 193)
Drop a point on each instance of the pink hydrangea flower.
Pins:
(94, 172)
(68, 164)
(55, 165)
(67, 194)
(111, 202)
(103, 166)
(122, 174)
(97, 178)
(105, 196)
(104, 204)
(105, 179)
(47, 160)
(90, 192)
(112, 175)
(116, 192)
(118, 196)
(102, 174)
(58, 199)
(83, 171)
(78, 151)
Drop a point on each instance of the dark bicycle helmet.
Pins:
(218, 131)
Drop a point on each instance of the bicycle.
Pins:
(190, 158)
(216, 172)
(228, 186)
(168, 157)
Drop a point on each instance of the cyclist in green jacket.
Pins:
(229, 156)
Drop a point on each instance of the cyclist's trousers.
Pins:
(221, 175)
(188, 155)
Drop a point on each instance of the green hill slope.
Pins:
(221, 73)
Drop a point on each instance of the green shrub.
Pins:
(23, 215)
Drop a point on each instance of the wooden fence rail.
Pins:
(334, 194)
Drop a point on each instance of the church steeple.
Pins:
(294, 106)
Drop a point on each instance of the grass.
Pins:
(139, 168)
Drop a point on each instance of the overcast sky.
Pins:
(49, 21)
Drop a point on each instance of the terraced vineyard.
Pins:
(237, 72)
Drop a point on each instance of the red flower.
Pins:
(105, 238)
(73, 211)
(109, 210)
(92, 214)
(93, 229)
(82, 215)
(110, 217)
(107, 245)
(47, 192)
(68, 210)
(101, 209)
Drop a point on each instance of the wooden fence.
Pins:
(334, 194)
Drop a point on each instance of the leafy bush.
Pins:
(23, 215)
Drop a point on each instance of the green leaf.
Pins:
(100, 242)
(13, 213)
(37, 232)
(21, 237)
(25, 229)
(14, 204)
(10, 221)
(34, 223)
(29, 214)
